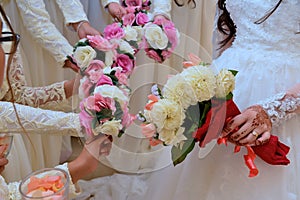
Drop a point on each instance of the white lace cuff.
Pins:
(281, 107)
(72, 188)
(106, 2)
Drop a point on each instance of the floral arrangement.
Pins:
(193, 107)
(105, 66)
(157, 37)
(174, 114)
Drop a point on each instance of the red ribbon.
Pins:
(274, 152)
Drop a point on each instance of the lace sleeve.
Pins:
(281, 107)
(36, 120)
(37, 22)
(162, 7)
(48, 97)
(68, 6)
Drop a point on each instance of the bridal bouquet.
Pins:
(174, 114)
(105, 67)
(160, 39)
(193, 107)
(157, 37)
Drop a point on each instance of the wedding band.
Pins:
(255, 134)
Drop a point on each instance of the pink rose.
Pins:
(94, 70)
(133, 3)
(171, 32)
(159, 20)
(148, 130)
(85, 119)
(128, 19)
(153, 54)
(122, 78)
(143, 44)
(127, 118)
(104, 80)
(113, 31)
(125, 63)
(85, 87)
(166, 54)
(141, 18)
(100, 43)
(98, 102)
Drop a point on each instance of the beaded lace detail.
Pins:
(281, 107)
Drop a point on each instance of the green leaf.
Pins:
(178, 155)
(104, 114)
(234, 72)
(119, 111)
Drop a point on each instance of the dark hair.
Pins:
(225, 24)
(182, 2)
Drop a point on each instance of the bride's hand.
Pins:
(116, 11)
(251, 127)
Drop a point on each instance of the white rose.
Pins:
(84, 55)
(109, 127)
(167, 114)
(131, 34)
(155, 36)
(111, 91)
(140, 32)
(178, 90)
(109, 58)
(203, 81)
(126, 47)
(225, 83)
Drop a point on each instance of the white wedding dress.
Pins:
(267, 57)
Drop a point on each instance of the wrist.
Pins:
(76, 26)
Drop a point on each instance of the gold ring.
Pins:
(255, 134)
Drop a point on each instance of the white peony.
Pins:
(202, 81)
(131, 34)
(111, 91)
(126, 47)
(225, 83)
(155, 36)
(178, 90)
(84, 55)
(167, 114)
(172, 137)
(109, 127)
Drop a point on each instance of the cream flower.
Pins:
(131, 34)
(109, 127)
(167, 114)
(202, 80)
(84, 55)
(155, 36)
(178, 90)
(225, 83)
(111, 91)
(172, 137)
(109, 58)
(126, 47)
(140, 32)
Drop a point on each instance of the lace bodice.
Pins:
(276, 33)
